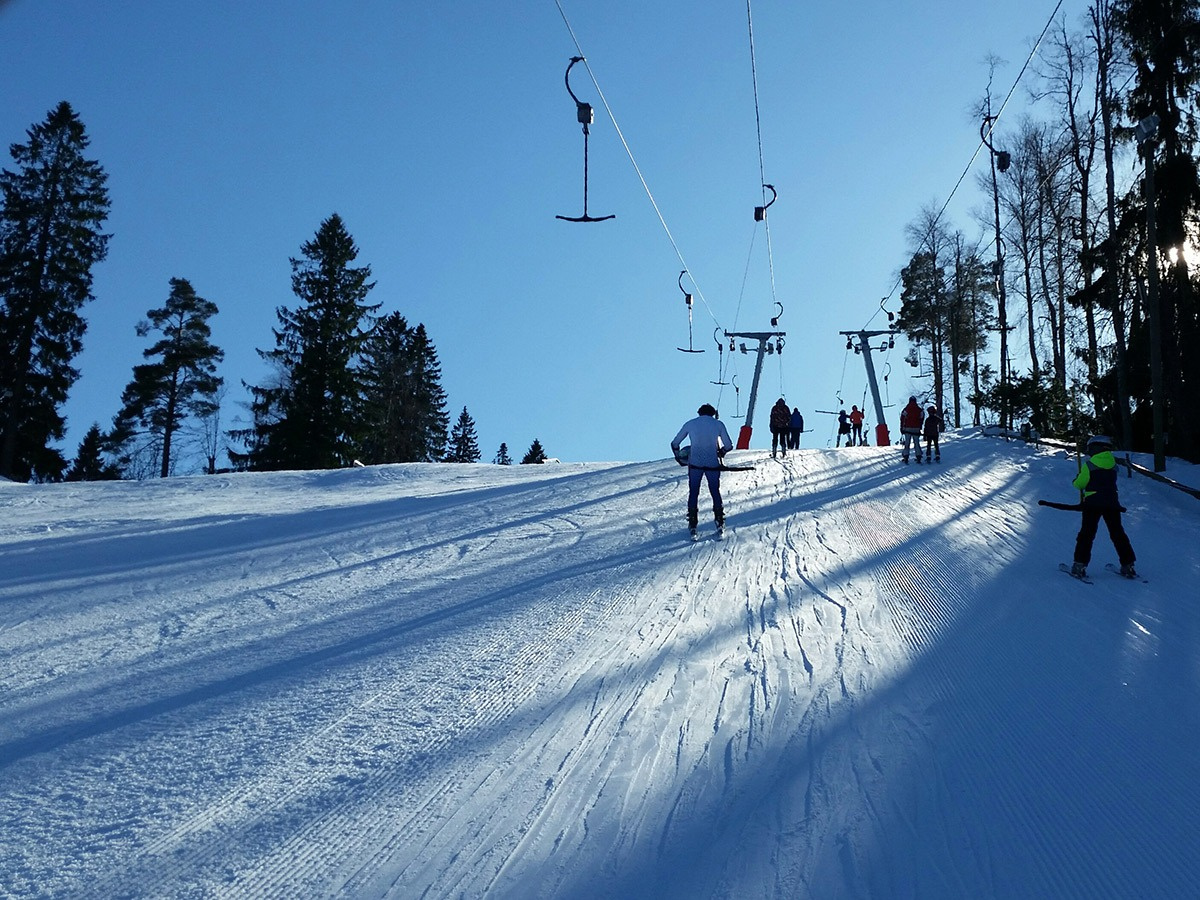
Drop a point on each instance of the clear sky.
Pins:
(445, 138)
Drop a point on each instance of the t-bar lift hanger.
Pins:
(687, 298)
(760, 212)
(586, 116)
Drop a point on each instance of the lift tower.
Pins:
(768, 342)
(882, 439)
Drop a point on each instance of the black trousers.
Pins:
(1116, 531)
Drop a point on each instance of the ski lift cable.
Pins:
(762, 169)
(982, 142)
(629, 153)
(1117, 92)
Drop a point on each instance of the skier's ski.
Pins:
(1116, 571)
(1063, 567)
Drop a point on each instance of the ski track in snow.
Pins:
(467, 681)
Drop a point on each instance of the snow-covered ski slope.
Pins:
(469, 681)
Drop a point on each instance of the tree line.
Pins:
(347, 384)
(1082, 263)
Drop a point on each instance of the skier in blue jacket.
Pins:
(709, 441)
(1097, 479)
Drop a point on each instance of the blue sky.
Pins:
(445, 138)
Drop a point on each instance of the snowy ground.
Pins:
(464, 681)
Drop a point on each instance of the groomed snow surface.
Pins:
(469, 681)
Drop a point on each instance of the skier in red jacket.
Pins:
(911, 420)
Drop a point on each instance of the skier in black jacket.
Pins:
(781, 426)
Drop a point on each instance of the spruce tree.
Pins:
(404, 405)
(464, 442)
(310, 416)
(535, 453)
(502, 457)
(90, 464)
(179, 382)
(432, 419)
(54, 205)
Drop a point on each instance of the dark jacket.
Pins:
(933, 423)
(1098, 481)
(781, 417)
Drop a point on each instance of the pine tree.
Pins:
(1162, 38)
(310, 416)
(535, 453)
(90, 464)
(54, 206)
(464, 443)
(404, 405)
(179, 382)
(502, 457)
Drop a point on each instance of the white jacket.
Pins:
(707, 435)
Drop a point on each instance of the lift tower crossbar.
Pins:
(764, 338)
(882, 439)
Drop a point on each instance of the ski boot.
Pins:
(1078, 570)
(1127, 571)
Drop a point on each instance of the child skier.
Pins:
(911, 420)
(933, 427)
(709, 442)
(1097, 479)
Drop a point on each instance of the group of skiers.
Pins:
(786, 427)
(709, 441)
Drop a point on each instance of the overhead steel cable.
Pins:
(762, 169)
(983, 142)
(628, 152)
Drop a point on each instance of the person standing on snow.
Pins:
(933, 427)
(781, 426)
(844, 428)
(1097, 479)
(856, 420)
(911, 420)
(708, 441)
(797, 424)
